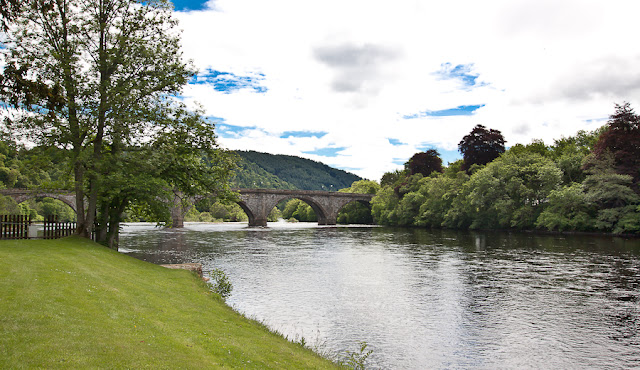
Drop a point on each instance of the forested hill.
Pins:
(269, 171)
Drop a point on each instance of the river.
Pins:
(422, 298)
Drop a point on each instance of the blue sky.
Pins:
(189, 5)
(368, 89)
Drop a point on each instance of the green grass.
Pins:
(71, 303)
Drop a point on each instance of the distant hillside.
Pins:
(269, 171)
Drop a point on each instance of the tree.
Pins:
(391, 178)
(111, 70)
(425, 163)
(357, 212)
(622, 139)
(180, 161)
(569, 152)
(383, 206)
(439, 193)
(8, 10)
(567, 209)
(298, 209)
(618, 206)
(509, 192)
(481, 146)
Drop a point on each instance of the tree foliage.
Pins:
(568, 209)
(357, 212)
(99, 79)
(481, 146)
(622, 140)
(569, 186)
(425, 163)
(299, 210)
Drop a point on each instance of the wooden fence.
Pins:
(54, 229)
(21, 227)
(14, 226)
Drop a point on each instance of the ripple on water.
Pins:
(425, 299)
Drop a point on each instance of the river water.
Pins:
(421, 298)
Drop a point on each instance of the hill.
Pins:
(270, 171)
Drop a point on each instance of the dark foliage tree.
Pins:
(622, 140)
(425, 163)
(481, 146)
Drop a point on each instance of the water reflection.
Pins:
(426, 299)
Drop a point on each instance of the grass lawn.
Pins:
(72, 303)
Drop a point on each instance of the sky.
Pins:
(362, 85)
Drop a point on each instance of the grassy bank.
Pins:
(72, 303)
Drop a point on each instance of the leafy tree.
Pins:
(481, 146)
(178, 162)
(357, 212)
(215, 211)
(409, 208)
(383, 206)
(536, 146)
(508, 193)
(569, 153)
(274, 215)
(393, 209)
(409, 184)
(617, 204)
(567, 208)
(394, 177)
(298, 209)
(8, 206)
(622, 139)
(54, 207)
(108, 62)
(110, 68)
(8, 11)
(439, 192)
(425, 163)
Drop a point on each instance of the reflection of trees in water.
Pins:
(509, 295)
(627, 327)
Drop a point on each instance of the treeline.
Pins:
(249, 175)
(269, 171)
(586, 182)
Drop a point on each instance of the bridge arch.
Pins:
(258, 203)
(272, 202)
(21, 195)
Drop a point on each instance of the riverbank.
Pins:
(72, 303)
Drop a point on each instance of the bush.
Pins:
(220, 283)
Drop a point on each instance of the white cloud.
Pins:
(353, 69)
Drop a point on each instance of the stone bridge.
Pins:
(256, 203)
